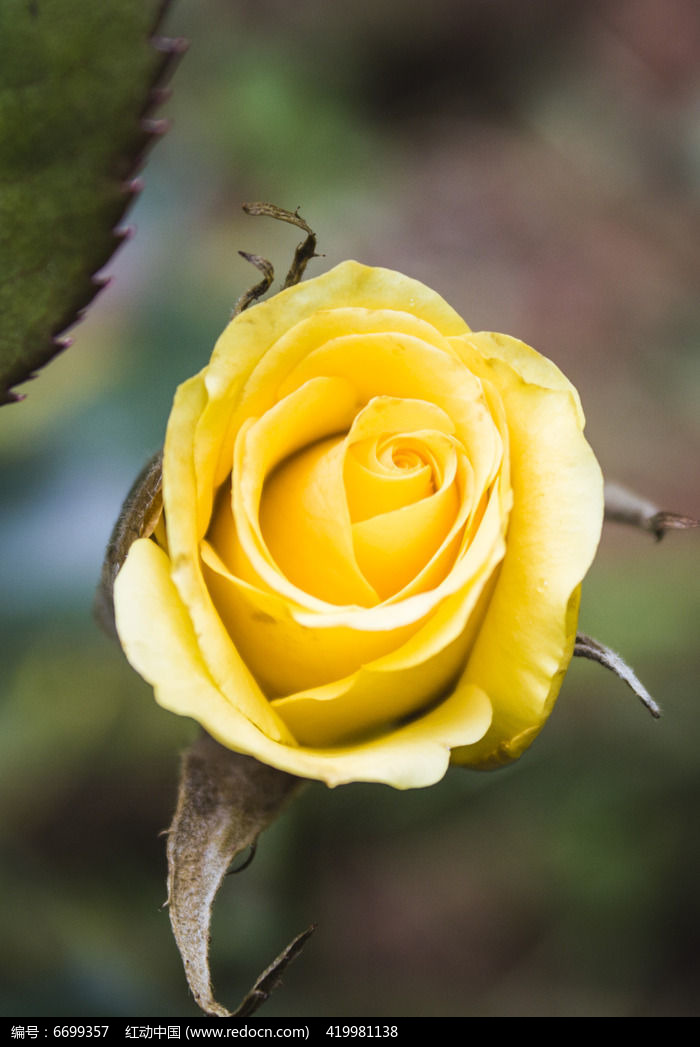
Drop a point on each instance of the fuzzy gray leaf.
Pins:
(225, 801)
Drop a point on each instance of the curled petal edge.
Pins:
(160, 643)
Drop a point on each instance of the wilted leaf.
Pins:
(224, 803)
(78, 81)
(623, 506)
(587, 647)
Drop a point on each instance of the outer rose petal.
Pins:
(159, 641)
(526, 641)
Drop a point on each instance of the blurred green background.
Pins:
(538, 165)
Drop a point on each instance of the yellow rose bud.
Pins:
(376, 527)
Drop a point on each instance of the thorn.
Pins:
(61, 342)
(173, 45)
(124, 232)
(155, 127)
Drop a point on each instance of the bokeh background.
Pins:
(537, 163)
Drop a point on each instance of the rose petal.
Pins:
(313, 657)
(229, 672)
(304, 521)
(406, 679)
(519, 658)
(401, 366)
(373, 483)
(306, 525)
(157, 635)
(373, 488)
(393, 548)
(260, 621)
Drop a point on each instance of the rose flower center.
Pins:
(382, 508)
(356, 498)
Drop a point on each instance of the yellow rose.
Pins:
(375, 528)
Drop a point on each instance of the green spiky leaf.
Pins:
(78, 82)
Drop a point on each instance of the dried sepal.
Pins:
(259, 289)
(626, 507)
(138, 518)
(225, 800)
(305, 251)
(587, 647)
(272, 976)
